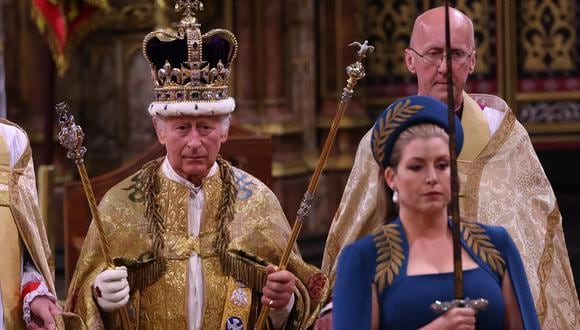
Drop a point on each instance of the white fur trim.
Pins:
(192, 108)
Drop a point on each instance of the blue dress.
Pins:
(404, 301)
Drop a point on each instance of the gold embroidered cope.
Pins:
(258, 228)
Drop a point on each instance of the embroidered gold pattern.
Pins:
(260, 233)
(387, 125)
(237, 307)
(215, 282)
(389, 254)
(12, 249)
(181, 246)
(143, 190)
(172, 202)
(136, 188)
(215, 286)
(473, 171)
(475, 237)
(546, 262)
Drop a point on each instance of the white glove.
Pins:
(112, 289)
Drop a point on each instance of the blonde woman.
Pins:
(389, 279)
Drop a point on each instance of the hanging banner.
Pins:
(65, 22)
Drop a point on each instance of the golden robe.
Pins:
(502, 183)
(258, 232)
(22, 228)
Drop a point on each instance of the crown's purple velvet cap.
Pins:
(175, 51)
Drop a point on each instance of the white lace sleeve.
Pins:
(32, 277)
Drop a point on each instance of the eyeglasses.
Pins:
(436, 56)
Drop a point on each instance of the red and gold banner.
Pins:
(65, 23)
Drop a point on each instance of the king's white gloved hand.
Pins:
(111, 289)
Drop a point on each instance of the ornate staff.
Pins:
(71, 137)
(458, 292)
(355, 71)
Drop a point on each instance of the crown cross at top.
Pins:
(189, 5)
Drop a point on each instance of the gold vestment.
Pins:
(503, 185)
(258, 231)
(22, 228)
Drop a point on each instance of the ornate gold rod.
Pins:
(71, 137)
(355, 71)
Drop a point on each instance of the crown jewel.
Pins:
(190, 67)
(189, 5)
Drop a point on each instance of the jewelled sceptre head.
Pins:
(71, 135)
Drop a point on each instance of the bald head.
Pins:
(428, 37)
(434, 19)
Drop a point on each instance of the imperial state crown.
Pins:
(190, 70)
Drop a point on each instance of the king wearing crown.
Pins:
(193, 238)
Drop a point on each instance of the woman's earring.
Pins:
(395, 196)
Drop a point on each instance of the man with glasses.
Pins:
(436, 56)
(502, 180)
(425, 57)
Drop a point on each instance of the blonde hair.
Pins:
(421, 131)
(389, 210)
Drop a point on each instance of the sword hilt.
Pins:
(477, 305)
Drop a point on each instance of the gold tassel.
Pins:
(246, 268)
(150, 266)
(143, 272)
(242, 266)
